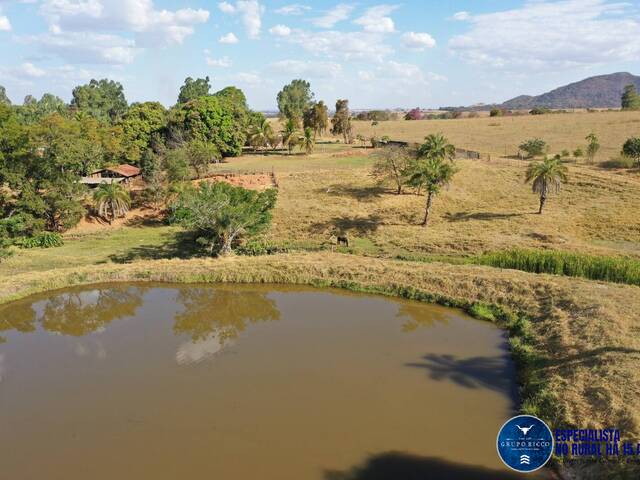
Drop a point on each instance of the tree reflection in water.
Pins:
(213, 318)
(75, 313)
(420, 315)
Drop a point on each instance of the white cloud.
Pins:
(280, 31)
(335, 15)
(85, 47)
(552, 35)
(294, 9)
(5, 24)
(418, 41)
(348, 46)
(151, 26)
(407, 74)
(30, 70)
(230, 38)
(224, 62)
(376, 19)
(226, 7)
(461, 16)
(366, 76)
(246, 78)
(300, 68)
(251, 12)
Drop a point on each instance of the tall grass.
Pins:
(609, 269)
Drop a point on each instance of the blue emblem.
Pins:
(525, 443)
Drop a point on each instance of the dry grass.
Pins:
(501, 135)
(585, 332)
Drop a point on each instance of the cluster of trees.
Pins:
(377, 116)
(46, 146)
(429, 166)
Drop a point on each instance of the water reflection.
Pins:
(414, 313)
(221, 313)
(75, 313)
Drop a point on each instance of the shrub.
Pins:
(565, 153)
(578, 152)
(539, 111)
(631, 148)
(496, 112)
(42, 240)
(414, 114)
(255, 248)
(533, 147)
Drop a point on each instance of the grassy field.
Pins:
(501, 136)
(576, 339)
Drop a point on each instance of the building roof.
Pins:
(99, 181)
(125, 170)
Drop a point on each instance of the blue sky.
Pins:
(376, 54)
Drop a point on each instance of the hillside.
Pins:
(602, 91)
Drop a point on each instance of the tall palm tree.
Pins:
(112, 201)
(289, 135)
(308, 141)
(546, 177)
(434, 168)
(260, 134)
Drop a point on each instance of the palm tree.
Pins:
(260, 134)
(546, 177)
(112, 201)
(308, 142)
(434, 168)
(289, 135)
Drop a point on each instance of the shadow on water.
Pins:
(494, 373)
(400, 466)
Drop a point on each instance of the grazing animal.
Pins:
(342, 240)
(525, 430)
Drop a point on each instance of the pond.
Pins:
(248, 382)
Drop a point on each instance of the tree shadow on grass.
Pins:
(358, 193)
(493, 373)
(177, 245)
(591, 357)
(466, 216)
(402, 466)
(359, 225)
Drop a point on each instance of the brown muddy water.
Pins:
(248, 382)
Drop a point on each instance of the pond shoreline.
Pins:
(533, 309)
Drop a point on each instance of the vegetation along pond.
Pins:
(248, 382)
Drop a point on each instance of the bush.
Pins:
(565, 153)
(533, 147)
(631, 149)
(539, 111)
(496, 112)
(255, 248)
(610, 269)
(578, 153)
(42, 240)
(618, 162)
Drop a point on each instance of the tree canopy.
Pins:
(294, 99)
(630, 99)
(141, 121)
(341, 121)
(193, 89)
(102, 99)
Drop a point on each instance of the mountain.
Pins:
(603, 91)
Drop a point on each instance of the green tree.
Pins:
(341, 121)
(139, 125)
(631, 149)
(533, 147)
(200, 155)
(221, 215)
(212, 119)
(112, 201)
(102, 99)
(592, 147)
(34, 110)
(294, 99)
(394, 165)
(290, 135)
(433, 169)
(193, 89)
(4, 100)
(63, 204)
(176, 165)
(307, 142)
(316, 117)
(630, 99)
(546, 177)
(260, 133)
